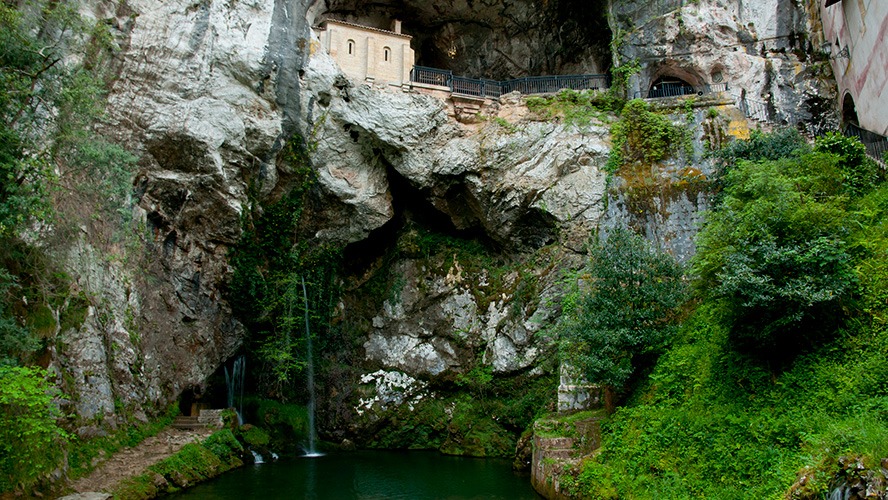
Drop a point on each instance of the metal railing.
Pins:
(548, 84)
(677, 89)
(875, 144)
(431, 76)
(766, 112)
(481, 87)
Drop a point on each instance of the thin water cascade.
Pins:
(312, 431)
(257, 458)
(235, 386)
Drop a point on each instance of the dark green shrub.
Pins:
(774, 253)
(633, 296)
(859, 173)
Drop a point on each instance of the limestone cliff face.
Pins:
(208, 93)
(763, 50)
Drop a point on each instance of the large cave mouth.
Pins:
(497, 40)
(412, 211)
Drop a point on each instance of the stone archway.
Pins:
(849, 110)
(670, 86)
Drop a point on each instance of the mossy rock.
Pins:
(285, 426)
(254, 436)
(224, 445)
(142, 487)
(192, 464)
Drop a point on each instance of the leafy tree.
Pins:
(774, 253)
(49, 103)
(633, 297)
(29, 437)
(14, 338)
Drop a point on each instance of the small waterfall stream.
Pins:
(235, 385)
(312, 430)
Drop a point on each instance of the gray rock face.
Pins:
(208, 94)
(761, 49)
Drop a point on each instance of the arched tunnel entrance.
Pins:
(849, 111)
(670, 86)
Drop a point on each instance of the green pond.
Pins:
(370, 475)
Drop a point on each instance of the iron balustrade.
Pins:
(875, 144)
(431, 76)
(482, 87)
(766, 112)
(669, 89)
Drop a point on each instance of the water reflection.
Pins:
(370, 475)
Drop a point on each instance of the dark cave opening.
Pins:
(495, 40)
(411, 209)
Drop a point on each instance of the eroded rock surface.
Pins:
(209, 94)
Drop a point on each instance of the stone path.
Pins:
(135, 461)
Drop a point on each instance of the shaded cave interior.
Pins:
(499, 40)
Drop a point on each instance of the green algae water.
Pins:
(370, 475)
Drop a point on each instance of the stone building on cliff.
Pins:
(857, 41)
(368, 54)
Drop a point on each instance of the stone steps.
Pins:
(187, 423)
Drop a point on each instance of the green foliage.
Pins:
(714, 424)
(622, 73)
(643, 137)
(629, 307)
(577, 108)
(48, 106)
(30, 440)
(266, 291)
(14, 338)
(797, 246)
(859, 172)
(782, 143)
(775, 253)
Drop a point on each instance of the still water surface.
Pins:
(370, 475)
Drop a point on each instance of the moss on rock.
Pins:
(193, 464)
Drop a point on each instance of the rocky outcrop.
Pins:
(209, 94)
(762, 50)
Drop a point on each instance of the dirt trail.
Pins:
(135, 461)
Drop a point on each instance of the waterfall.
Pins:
(235, 385)
(312, 430)
(257, 458)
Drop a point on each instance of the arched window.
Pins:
(387, 54)
(351, 47)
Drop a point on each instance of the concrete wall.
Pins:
(862, 26)
(368, 54)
